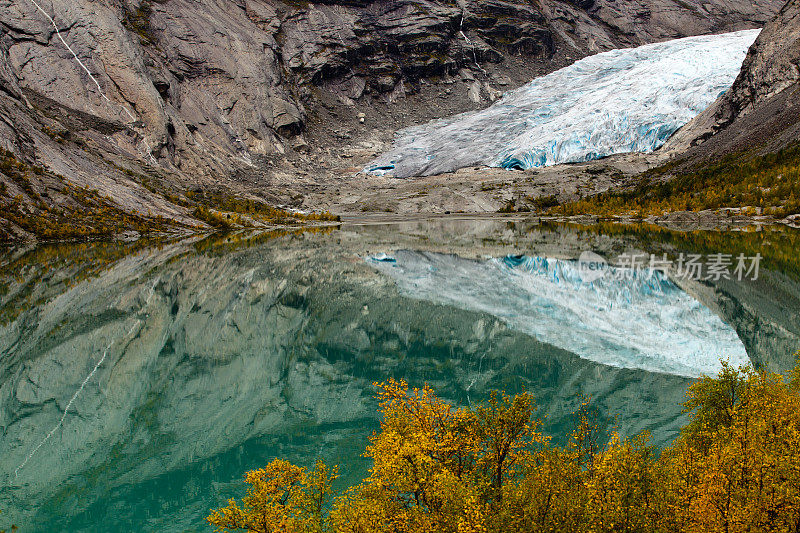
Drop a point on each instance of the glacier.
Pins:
(629, 318)
(628, 100)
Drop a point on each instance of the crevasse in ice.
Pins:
(628, 100)
(629, 318)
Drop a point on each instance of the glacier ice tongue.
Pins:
(629, 318)
(628, 100)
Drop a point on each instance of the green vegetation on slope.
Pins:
(770, 182)
(79, 213)
(49, 207)
(487, 468)
(224, 211)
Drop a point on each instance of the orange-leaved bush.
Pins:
(485, 469)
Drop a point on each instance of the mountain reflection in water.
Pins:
(228, 351)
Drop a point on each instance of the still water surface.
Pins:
(182, 364)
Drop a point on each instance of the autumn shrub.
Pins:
(213, 218)
(280, 497)
(770, 182)
(441, 468)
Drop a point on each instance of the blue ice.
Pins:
(629, 100)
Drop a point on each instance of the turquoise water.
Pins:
(181, 364)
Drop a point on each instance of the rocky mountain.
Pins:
(144, 100)
(761, 110)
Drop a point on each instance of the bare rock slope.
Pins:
(144, 100)
(761, 110)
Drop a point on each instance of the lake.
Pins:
(140, 380)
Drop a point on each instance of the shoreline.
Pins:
(682, 222)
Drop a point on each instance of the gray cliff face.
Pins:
(773, 63)
(242, 94)
(761, 109)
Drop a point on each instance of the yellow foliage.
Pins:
(744, 475)
(487, 469)
(744, 180)
(280, 497)
(620, 492)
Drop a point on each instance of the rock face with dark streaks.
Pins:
(762, 108)
(241, 94)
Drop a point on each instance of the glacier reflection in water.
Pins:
(629, 100)
(629, 318)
